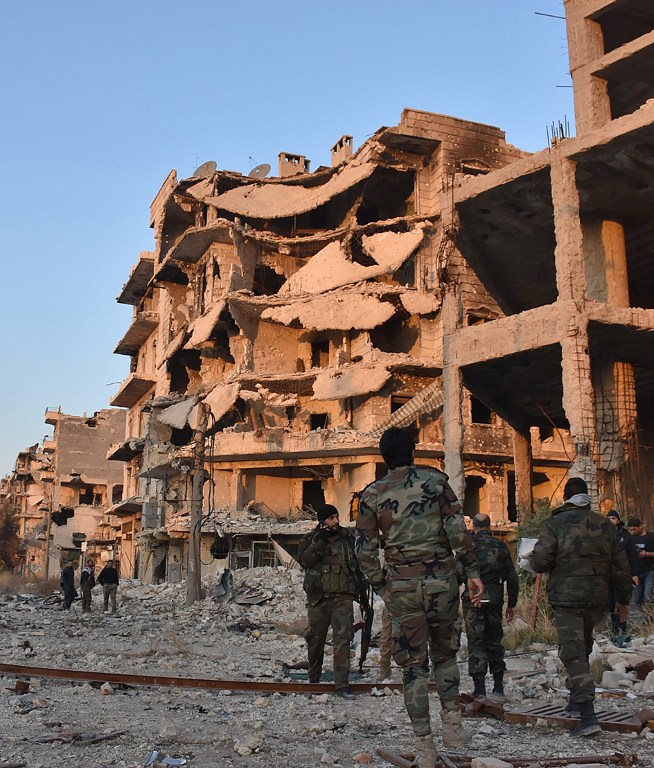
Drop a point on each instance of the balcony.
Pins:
(126, 507)
(132, 390)
(142, 326)
(126, 451)
(52, 415)
(137, 284)
(49, 446)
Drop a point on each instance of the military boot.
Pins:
(480, 685)
(498, 687)
(426, 756)
(384, 670)
(454, 734)
(588, 725)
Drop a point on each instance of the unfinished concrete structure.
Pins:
(563, 241)
(61, 489)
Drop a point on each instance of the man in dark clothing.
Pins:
(644, 543)
(581, 552)
(108, 578)
(67, 584)
(86, 583)
(620, 636)
(332, 581)
(484, 623)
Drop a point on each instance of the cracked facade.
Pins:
(307, 313)
(61, 489)
(497, 302)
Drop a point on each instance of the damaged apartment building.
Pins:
(60, 491)
(494, 301)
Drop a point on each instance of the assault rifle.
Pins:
(367, 613)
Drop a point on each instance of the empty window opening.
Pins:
(178, 366)
(313, 495)
(319, 354)
(86, 495)
(406, 274)
(395, 335)
(318, 420)
(181, 436)
(63, 515)
(475, 496)
(291, 412)
(116, 494)
(387, 195)
(266, 281)
(545, 434)
(221, 348)
(220, 548)
(263, 555)
(480, 413)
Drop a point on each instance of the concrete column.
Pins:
(569, 250)
(237, 489)
(522, 459)
(578, 404)
(606, 262)
(452, 395)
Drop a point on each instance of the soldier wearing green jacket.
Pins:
(332, 581)
(484, 623)
(580, 551)
(416, 513)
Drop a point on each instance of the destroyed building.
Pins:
(60, 491)
(495, 301)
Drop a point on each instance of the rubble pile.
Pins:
(250, 627)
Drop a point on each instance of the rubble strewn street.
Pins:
(257, 635)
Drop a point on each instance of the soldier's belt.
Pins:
(416, 570)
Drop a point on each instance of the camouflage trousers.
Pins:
(424, 614)
(574, 627)
(484, 632)
(338, 612)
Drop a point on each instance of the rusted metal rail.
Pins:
(187, 682)
(465, 761)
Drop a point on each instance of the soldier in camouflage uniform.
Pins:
(421, 523)
(484, 624)
(332, 581)
(582, 554)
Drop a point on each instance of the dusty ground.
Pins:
(153, 633)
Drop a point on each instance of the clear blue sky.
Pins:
(101, 100)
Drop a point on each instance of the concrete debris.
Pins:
(155, 633)
(277, 200)
(344, 311)
(349, 381)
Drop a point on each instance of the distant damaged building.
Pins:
(307, 313)
(60, 491)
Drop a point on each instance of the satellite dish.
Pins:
(259, 171)
(205, 170)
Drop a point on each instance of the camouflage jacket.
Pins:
(581, 552)
(496, 567)
(421, 523)
(330, 567)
